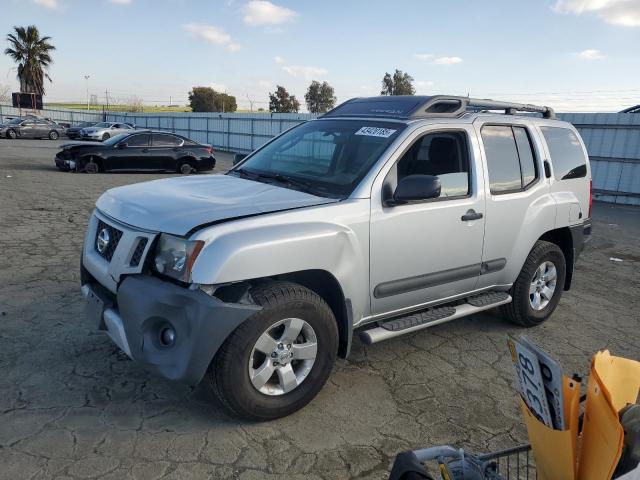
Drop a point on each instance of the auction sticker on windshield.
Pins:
(376, 132)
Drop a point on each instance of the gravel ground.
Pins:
(73, 406)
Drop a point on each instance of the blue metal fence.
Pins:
(612, 139)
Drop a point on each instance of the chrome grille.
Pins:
(114, 238)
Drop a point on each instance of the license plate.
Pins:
(95, 307)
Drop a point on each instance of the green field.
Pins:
(120, 108)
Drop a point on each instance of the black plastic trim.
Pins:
(410, 284)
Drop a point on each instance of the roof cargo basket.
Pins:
(413, 106)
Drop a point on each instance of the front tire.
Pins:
(53, 135)
(539, 286)
(277, 360)
(106, 136)
(92, 166)
(12, 134)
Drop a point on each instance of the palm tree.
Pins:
(32, 54)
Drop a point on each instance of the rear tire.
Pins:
(236, 372)
(11, 134)
(537, 290)
(185, 167)
(105, 136)
(53, 135)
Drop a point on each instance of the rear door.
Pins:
(519, 207)
(165, 150)
(42, 129)
(427, 251)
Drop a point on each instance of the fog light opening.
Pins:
(167, 336)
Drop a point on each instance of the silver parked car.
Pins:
(387, 215)
(31, 127)
(104, 130)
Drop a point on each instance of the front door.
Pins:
(429, 250)
(133, 156)
(28, 129)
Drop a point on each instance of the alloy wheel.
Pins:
(543, 285)
(283, 356)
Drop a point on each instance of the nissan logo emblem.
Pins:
(102, 242)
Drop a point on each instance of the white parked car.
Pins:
(387, 215)
(104, 130)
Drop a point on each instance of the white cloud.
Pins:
(447, 60)
(211, 34)
(306, 72)
(278, 59)
(616, 12)
(436, 60)
(263, 12)
(590, 54)
(265, 84)
(121, 2)
(52, 4)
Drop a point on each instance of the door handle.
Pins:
(145, 150)
(471, 215)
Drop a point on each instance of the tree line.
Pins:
(32, 53)
(320, 97)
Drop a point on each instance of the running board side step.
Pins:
(433, 316)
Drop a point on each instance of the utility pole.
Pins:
(250, 102)
(106, 96)
(224, 97)
(86, 77)
(169, 100)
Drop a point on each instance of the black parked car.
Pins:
(74, 131)
(31, 127)
(141, 150)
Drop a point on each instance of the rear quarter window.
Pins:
(567, 156)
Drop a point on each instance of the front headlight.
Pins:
(175, 256)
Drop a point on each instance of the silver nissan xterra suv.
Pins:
(387, 215)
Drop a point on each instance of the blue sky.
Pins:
(578, 55)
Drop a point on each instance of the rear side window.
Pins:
(510, 158)
(566, 153)
(164, 140)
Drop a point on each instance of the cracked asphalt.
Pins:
(73, 406)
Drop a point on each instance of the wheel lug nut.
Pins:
(289, 346)
(274, 354)
(280, 346)
(275, 364)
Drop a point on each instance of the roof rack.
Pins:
(416, 106)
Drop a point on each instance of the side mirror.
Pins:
(238, 157)
(122, 145)
(415, 187)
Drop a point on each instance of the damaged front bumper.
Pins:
(172, 331)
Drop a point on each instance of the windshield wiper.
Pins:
(298, 184)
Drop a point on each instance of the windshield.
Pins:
(115, 139)
(324, 157)
(102, 125)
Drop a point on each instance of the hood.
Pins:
(178, 205)
(71, 146)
